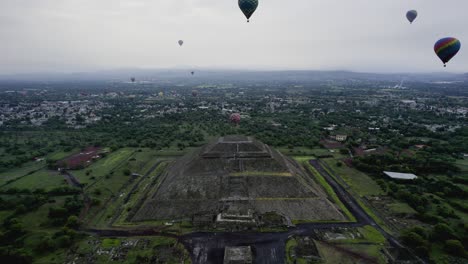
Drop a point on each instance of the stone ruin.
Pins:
(232, 176)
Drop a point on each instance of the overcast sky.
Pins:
(357, 35)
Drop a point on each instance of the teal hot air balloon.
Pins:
(412, 15)
(446, 49)
(248, 7)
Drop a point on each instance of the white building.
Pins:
(400, 176)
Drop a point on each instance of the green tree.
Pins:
(442, 232)
(455, 247)
(73, 222)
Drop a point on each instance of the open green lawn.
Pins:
(401, 208)
(290, 244)
(361, 183)
(112, 188)
(58, 155)
(331, 255)
(110, 242)
(463, 165)
(38, 219)
(19, 172)
(103, 166)
(369, 247)
(369, 251)
(137, 195)
(372, 235)
(42, 179)
(142, 161)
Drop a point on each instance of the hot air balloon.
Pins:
(192, 72)
(412, 15)
(181, 42)
(235, 118)
(194, 93)
(446, 49)
(248, 7)
(132, 79)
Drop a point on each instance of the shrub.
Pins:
(455, 247)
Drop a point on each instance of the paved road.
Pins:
(72, 180)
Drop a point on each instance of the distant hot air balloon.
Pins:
(235, 118)
(248, 7)
(446, 49)
(194, 93)
(412, 15)
(132, 79)
(192, 72)
(181, 42)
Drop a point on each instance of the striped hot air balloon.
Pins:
(248, 7)
(447, 48)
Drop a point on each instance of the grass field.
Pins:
(401, 208)
(42, 179)
(13, 174)
(38, 219)
(368, 246)
(463, 165)
(332, 256)
(290, 244)
(58, 155)
(103, 166)
(110, 242)
(113, 188)
(362, 184)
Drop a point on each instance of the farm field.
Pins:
(42, 179)
(16, 173)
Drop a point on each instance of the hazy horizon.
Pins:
(71, 36)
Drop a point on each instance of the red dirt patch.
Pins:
(80, 160)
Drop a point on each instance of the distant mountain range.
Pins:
(229, 75)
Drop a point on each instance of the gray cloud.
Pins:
(361, 35)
